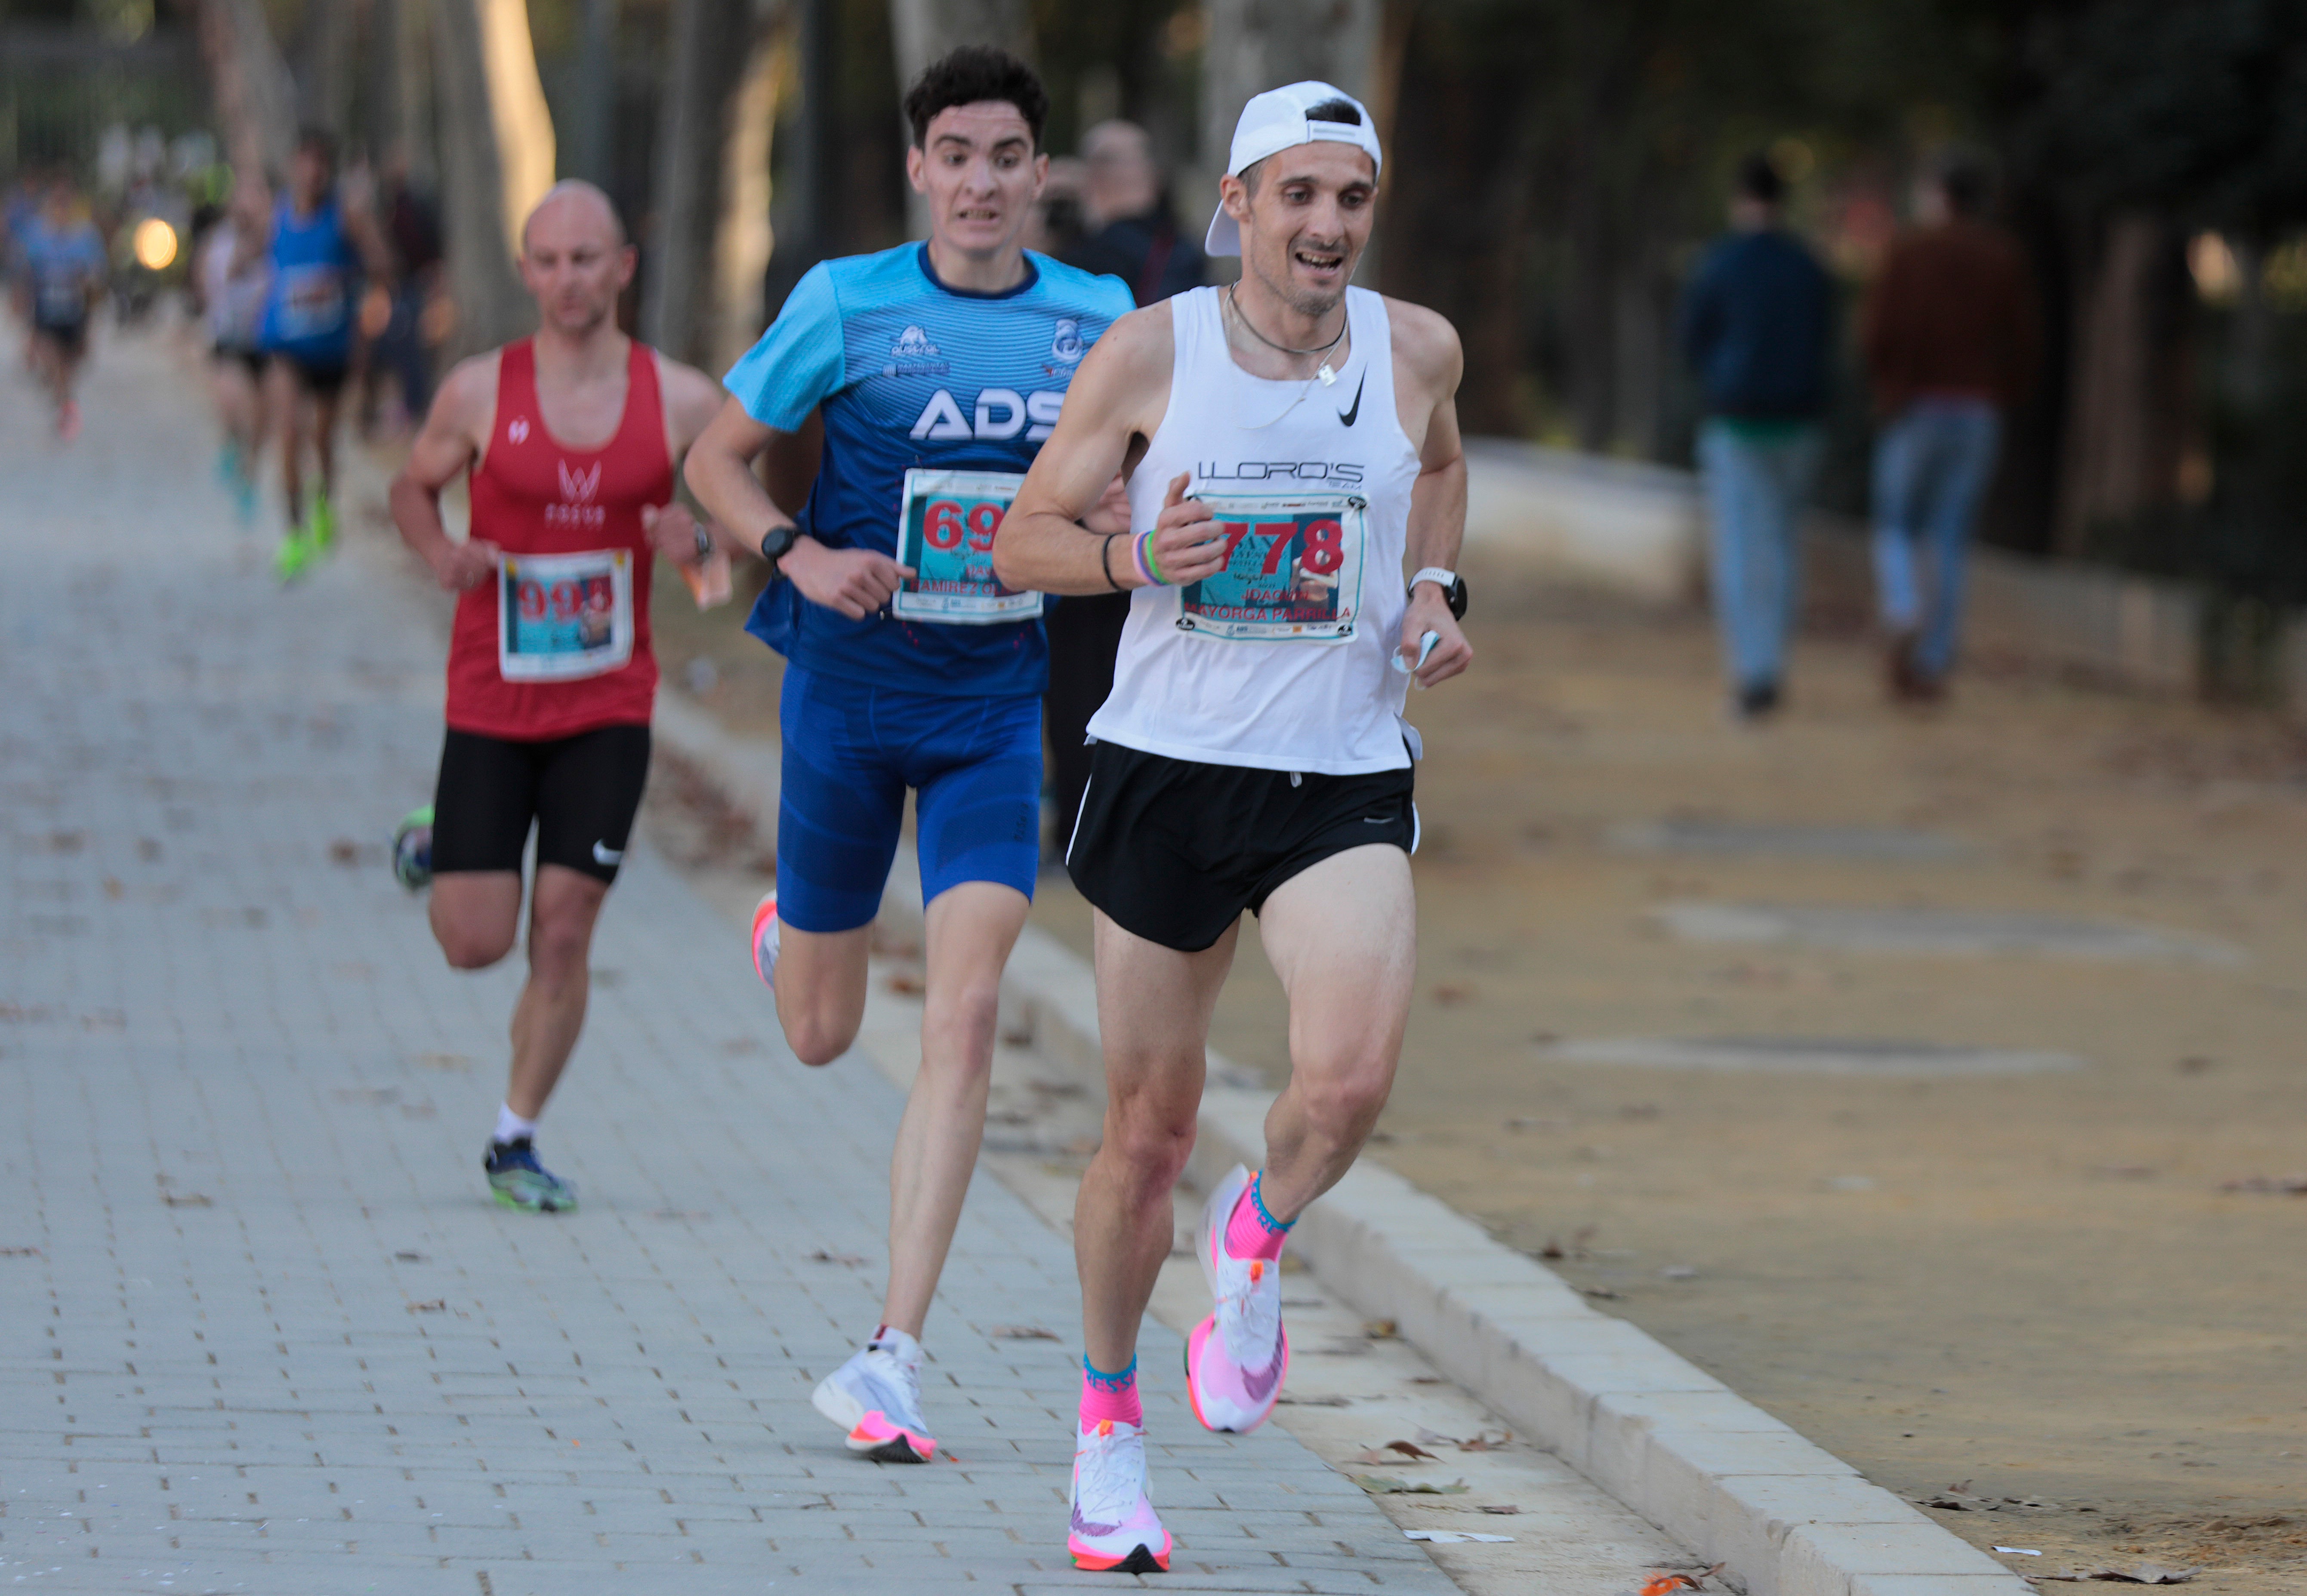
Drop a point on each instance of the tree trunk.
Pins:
(324, 80)
(926, 30)
(741, 251)
(405, 98)
(592, 138)
(255, 96)
(2121, 455)
(713, 43)
(491, 171)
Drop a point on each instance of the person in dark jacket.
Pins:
(1756, 325)
(1951, 335)
(1127, 232)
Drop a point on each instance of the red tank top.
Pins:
(526, 655)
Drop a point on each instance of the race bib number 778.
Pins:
(1293, 570)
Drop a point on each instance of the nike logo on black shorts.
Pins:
(1349, 414)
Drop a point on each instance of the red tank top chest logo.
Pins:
(517, 430)
(576, 508)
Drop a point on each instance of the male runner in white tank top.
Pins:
(1292, 450)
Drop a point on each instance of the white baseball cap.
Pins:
(1275, 121)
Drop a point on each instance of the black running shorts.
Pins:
(1173, 851)
(581, 793)
(320, 379)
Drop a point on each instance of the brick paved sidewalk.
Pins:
(260, 1328)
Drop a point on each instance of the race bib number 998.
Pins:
(945, 532)
(1293, 570)
(561, 617)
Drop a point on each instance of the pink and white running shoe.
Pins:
(1115, 1529)
(765, 940)
(877, 1397)
(1237, 1358)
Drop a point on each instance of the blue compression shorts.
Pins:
(851, 751)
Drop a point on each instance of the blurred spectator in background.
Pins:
(1952, 337)
(1057, 228)
(1130, 233)
(1111, 200)
(411, 226)
(1756, 326)
(63, 267)
(234, 274)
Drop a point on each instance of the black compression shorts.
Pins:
(1173, 850)
(581, 793)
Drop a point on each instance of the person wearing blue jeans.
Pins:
(1932, 467)
(1757, 476)
(1950, 335)
(1755, 324)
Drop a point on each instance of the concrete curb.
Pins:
(1669, 1440)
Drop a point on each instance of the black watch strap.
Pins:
(778, 542)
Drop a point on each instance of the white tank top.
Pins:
(1280, 662)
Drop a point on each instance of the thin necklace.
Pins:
(1322, 371)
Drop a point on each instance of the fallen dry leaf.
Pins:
(1666, 1582)
(190, 1199)
(822, 1257)
(344, 851)
(1380, 1329)
(437, 1305)
(1452, 991)
(19, 1252)
(1494, 1508)
(1021, 1333)
(1316, 1402)
(1486, 1442)
(905, 983)
(1393, 1452)
(1601, 1293)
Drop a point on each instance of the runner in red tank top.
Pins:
(570, 438)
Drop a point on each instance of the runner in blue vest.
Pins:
(321, 248)
(938, 369)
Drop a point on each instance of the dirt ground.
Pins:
(2033, 1287)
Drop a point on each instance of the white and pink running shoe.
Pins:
(1237, 1358)
(765, 940)
(1115, 1529)
(877, 1397)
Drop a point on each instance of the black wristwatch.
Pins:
(778, 542)
(1452, 586)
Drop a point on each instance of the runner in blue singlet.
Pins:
(61, 267)
(937, 369)
(320, 250)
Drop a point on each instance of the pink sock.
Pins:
(1252, 1232)
(1114, 1397)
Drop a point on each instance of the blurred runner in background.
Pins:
(62, 271)
(234, 275)
(321, 246)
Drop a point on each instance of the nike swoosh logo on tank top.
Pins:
(1350, 412)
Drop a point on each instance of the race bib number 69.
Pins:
(1293, 569)
(945, 532)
